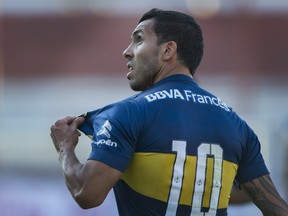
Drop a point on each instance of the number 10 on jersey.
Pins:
(205, 151)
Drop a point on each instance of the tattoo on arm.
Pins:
(264, 194)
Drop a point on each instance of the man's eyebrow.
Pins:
(136, 32)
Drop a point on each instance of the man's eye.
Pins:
(139, 38)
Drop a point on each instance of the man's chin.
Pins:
(135, 86)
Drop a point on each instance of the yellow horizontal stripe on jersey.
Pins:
(150, 174)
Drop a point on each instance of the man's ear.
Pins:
(169, 50)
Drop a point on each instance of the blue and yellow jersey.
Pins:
(179, 147)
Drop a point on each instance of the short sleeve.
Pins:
(115, 132)
(252, 164)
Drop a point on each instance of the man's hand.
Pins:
(88, 183)
(64, 133)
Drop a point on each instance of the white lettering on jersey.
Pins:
(188, 96)
(172, 94)
(107, 142)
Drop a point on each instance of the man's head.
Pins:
(181, 28)
(159, 37)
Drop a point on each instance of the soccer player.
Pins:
(172, 149)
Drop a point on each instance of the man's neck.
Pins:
(172, 70)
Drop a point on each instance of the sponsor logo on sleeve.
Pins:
(105, 130)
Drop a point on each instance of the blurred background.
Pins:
(64, 57)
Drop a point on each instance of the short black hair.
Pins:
(181, 28)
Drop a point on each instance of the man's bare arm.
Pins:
(238, 196)
(264, 194)
(88, 183)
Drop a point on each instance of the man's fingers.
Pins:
(70, 121)
(77, 122)
(67, 120)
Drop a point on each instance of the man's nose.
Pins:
(127, 53)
